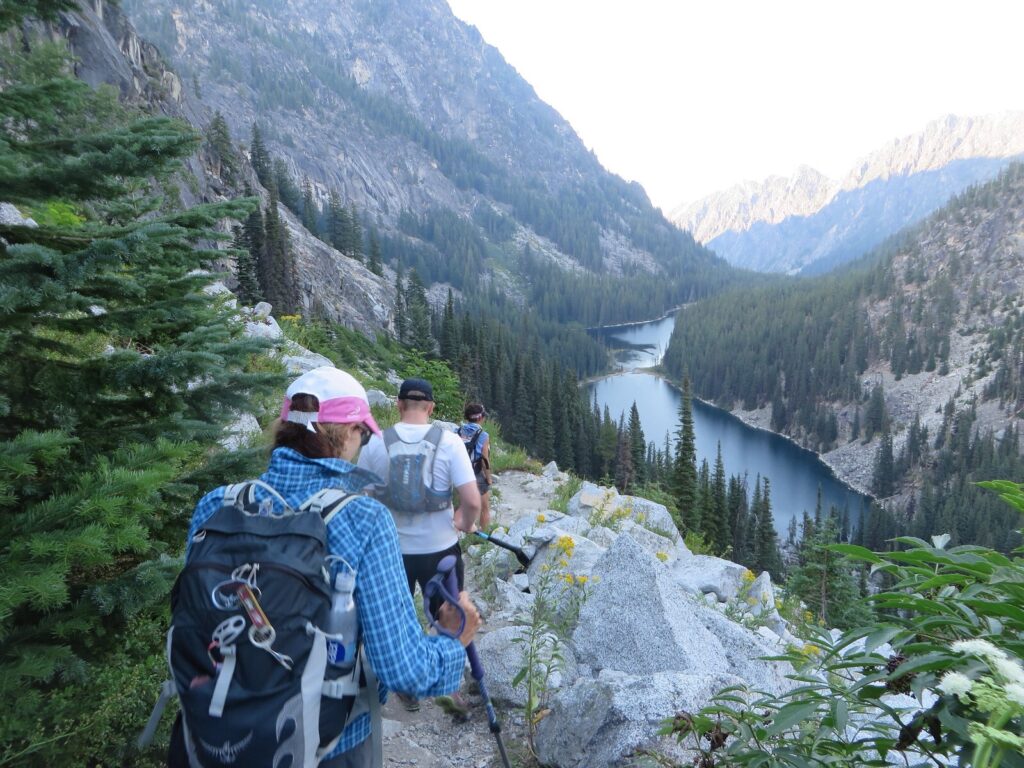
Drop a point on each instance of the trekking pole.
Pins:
(521, 556)
(445, 583)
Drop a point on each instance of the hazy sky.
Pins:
(691, 97)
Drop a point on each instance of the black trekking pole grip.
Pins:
(521, 556)
(450, 583)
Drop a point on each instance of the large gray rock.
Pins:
(510, 602)
(376, 397)
(240, 432)
(703, 574)
(660, 546)
(503, 653)
(263, 328)
(12, 217)
(596, 722)
(299, 360)
(604, 506)
(638, 620)
(591, 498)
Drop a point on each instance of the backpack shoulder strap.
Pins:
(390, 437)
(327, 503)
(471, 445)
(434, 436)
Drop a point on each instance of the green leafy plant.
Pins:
(938, 680)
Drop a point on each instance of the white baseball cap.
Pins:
(342, 399)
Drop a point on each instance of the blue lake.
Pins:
(794, 473)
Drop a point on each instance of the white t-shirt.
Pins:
(431, 531)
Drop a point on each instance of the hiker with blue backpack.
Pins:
(419, 463)
(478, 448)
(293, 604)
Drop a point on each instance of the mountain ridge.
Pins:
(808, 222)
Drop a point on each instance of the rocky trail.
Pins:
(431, 738)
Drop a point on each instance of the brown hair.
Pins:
(325, 443)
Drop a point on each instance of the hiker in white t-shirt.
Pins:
(420, 464)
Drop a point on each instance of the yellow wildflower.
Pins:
(566, 545)
(541, 518)
(810, 650)
(748, 576)
(581, 579)
(663, 556)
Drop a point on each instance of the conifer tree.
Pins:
(310, 211)
(827, 582)
(355, 234)
(118, 374)
(245, 268)
(418, 314)
(625, 474)
(739, 516)
(220, 145)
(543, 428)
(281, 279)
(884, 481)
(401, 318)
(767, 541)
(260, 157)
(717, 525)
(376, 265)
(637, 445)
(684, 472)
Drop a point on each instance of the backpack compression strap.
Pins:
(242, 495)
(327, 503)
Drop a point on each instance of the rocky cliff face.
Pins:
(401, 107)
(107, 50)
(809, 223)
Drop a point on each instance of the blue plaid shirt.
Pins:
(404, 658)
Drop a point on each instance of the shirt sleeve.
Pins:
(207, 505)
(460, 466)
(403, 657)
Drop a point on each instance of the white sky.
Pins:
(691, 97)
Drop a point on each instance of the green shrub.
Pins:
(954, 627)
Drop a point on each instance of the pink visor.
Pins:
(340, 410)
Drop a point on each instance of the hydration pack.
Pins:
(410, 487)
(261, 679)
(473, 448)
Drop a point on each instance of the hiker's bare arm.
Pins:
(449, 618)
(486, 453)
(469, 507)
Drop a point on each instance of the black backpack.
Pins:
(478, 462)
(247, 647)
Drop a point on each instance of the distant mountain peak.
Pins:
(770, 200)
(808, 221)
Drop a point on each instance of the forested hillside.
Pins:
(913, 356)
(436, 148)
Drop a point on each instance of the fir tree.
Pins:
(401, 318)
(222, 148)
(625, 474)
(716, 526)
(766, 546)
(884, 482)
(684, 472)
(376, 266)
(637, 445)
(281, 281)
(310, 211)
(355, 235)
(119, 374)
(259, 157)
(418, 314)
(245, 268)
(826, 582)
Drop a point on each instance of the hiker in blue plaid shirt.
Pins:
(324, 422)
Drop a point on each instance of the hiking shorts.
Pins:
(419, 569)
(481, 483)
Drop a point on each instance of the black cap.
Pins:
(416, 389)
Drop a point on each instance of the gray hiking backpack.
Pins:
(411, 474)
(261, 667)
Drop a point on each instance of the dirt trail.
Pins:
(431, 738)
